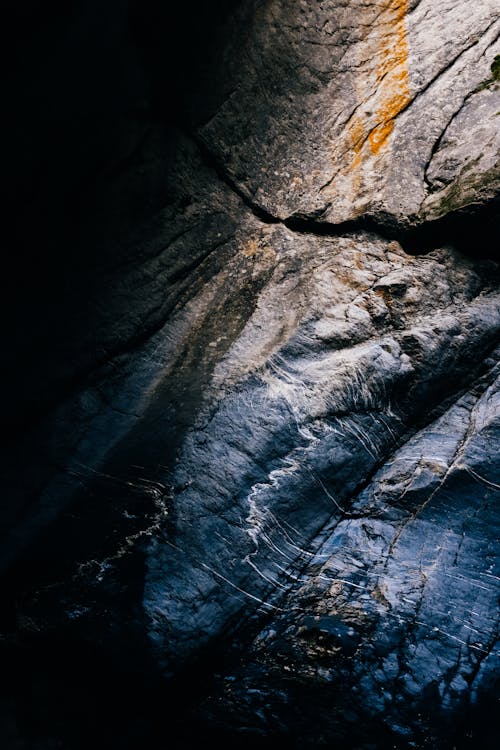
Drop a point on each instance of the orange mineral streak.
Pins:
(394, 91)
(389, 52)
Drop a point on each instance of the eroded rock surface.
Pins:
(338, 110)
(260, 503)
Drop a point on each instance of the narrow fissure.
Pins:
(460, 228)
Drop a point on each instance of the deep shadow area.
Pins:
(89, 90)
(63, 691)
(473, 231)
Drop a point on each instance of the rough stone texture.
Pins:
(392, 619)
(251, 494)
(338, 110)
(184, 244)
(322, 396)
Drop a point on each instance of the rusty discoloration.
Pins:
(257, 248)
(394, 92)
(251, 248)
(382, 92)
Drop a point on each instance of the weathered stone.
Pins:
(393, 614)
(336, 109)
(252, 491)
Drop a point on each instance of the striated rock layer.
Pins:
(252, 496)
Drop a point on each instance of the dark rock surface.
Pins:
(251, 473)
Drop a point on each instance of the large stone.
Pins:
(336, 109)
(252, 487)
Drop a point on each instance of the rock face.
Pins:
(342, 109)
(263, 446)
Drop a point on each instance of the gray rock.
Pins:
(335, 111)
(263, 455)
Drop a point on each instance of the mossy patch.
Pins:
(495, 68)
(495, 75)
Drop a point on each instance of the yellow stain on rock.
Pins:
(394, 91)
(257, 249)
(386, 50)
(251, 248)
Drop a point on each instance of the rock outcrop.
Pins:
(263, 458)
(338, 110)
